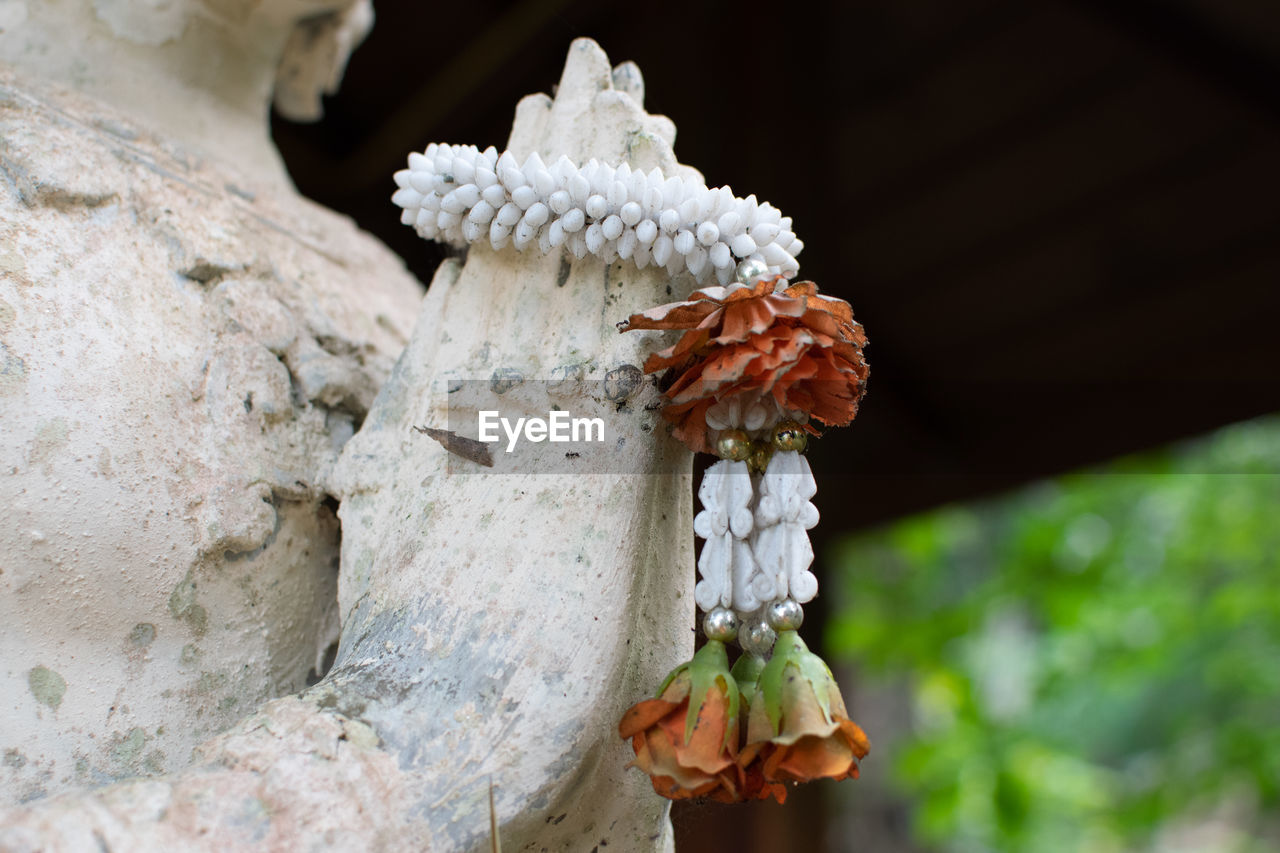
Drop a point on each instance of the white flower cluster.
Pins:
(757, 549)
(458, 194)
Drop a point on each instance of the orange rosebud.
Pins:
(798, 728)
(801, 349)
(687, 738)
(747, 673)
(756, 787)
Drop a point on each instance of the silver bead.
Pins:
(757, 640)
(720, 624)
(785, 615)
(749, 270)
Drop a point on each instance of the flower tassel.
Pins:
(758, 363)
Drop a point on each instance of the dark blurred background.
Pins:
(1057, 221)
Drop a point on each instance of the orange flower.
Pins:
(798, 728)
(687, 738)
(756, 787)
(801, 349)
(747, 673)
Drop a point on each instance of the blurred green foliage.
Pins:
(1094, 662)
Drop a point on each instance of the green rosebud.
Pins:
(798, 728)
(746, 671)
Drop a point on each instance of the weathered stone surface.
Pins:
(497, 625)
(183, 355)
(494, 626)
(199, 74)
(290, 778)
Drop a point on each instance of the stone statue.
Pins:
(199, 378)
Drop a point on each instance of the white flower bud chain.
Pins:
(458, 194)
